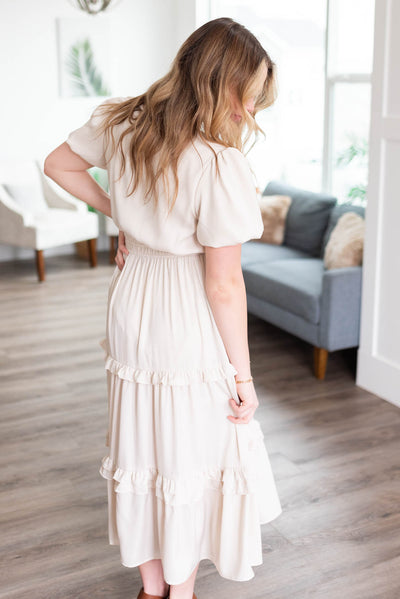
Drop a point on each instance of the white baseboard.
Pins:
(379, 376)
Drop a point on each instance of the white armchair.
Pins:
(41, 216)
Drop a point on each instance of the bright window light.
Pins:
(293, 33)
(321, 117)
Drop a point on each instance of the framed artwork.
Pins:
(83, 56)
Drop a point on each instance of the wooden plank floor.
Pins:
(334, 449)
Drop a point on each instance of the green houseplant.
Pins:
(357, 151)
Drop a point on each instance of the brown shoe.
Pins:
(143, 595)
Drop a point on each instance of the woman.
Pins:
(187, 470)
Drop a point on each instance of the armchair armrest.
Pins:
(56, 197)
(340, 308)
(13, 218)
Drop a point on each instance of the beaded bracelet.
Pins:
(246, 381)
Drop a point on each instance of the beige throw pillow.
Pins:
(274, 210)
(346, 242)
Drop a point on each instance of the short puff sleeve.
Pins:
(88, 141)
(228, 207)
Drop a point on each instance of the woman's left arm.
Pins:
(69, 170)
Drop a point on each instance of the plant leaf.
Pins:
(84, 76)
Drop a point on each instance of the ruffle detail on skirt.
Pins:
(230, 480)
(165, 377)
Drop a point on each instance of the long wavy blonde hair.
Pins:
(194, 99)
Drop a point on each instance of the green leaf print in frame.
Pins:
(84, 74)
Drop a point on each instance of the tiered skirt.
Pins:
(184, 483)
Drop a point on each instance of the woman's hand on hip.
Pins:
(119, 257)
(244, 412)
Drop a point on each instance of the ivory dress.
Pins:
(184, 483)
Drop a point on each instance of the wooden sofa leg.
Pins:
(40, 266)
(112, 249)
(92, 252)
(320, 361)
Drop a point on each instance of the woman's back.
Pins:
(209, 210)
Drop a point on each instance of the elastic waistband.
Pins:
(135, 247)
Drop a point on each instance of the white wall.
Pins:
(379, 352)
(34, 119)
(189, 15)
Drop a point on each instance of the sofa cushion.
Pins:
(307, 218)
(336, 213)
(274, 210)
(346, 242)
(294, 285)
(254, 251)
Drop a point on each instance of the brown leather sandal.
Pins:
(143, 595)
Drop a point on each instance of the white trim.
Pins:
(391, 128)
(327, 124)
(375, 372)
(328, 138)
(350, 78)
(371, 258)
(378, 376)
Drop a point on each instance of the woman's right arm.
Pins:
(226, 294)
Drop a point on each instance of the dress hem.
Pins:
(212, 559)
(205, 556)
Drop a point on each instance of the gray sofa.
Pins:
(288, 286)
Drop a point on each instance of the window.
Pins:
(293, 33)
(348, 91)
(317, 131)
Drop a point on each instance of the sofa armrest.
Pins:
(340, 308)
